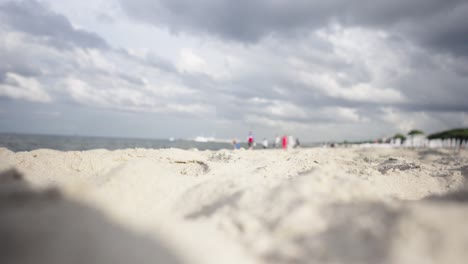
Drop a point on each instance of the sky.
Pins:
(319, 70)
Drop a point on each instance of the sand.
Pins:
(321, 205)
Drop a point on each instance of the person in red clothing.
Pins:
(285, 142)
(250, 140)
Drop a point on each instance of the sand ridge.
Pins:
(345, 205)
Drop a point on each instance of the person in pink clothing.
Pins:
(250, 141)
(285, 142)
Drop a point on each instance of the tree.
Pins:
(415, 132)
(459, 133)
(400, 136)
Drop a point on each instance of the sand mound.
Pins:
(270, 206)
(46, 227)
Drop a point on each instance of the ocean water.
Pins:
(25, 142)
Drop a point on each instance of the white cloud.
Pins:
(429, 122)
(334, 76)
(167, 90)
(94, 58)
(193, 109)
(129, 99)
(189, 62)
(363, 92)
(406, 121)
(278, 125)
(286, 110)
(259, 100)
(25, 88)
(82, 92)
(397, 119)
(346, 114)
(372, 66)
(117, 98)
(212, 63)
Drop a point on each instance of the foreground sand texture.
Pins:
(356, 205)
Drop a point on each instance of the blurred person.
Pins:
(291, 142)
(235, 144)
(298, 144)
(277, 141)
(285, 142)
(265, 143)
(250, 140)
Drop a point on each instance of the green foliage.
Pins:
(459, 133)
(400, 136)
(415, 132)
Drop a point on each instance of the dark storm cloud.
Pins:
(438, 24)
(435, 25)
(31, 17)
(41, 52)
(306, 62)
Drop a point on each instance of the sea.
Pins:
(28, 142)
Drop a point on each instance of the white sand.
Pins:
(264, 206)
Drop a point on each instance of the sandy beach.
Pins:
(318, 205)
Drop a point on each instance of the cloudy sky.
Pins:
(321, 70)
